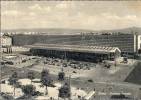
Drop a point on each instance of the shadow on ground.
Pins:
(135, 75)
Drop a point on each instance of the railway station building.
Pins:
(81, 53)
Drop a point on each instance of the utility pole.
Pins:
(44, 63)
(70, 86)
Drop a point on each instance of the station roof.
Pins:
(75, 48)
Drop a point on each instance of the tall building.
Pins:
(127, 43)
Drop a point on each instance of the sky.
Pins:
(93, 15)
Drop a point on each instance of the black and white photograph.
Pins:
(70, 50)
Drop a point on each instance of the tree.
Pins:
(31, 76)
(13, 80)
(28, 90)
(46, 79)
(64, 91)
(61, 75)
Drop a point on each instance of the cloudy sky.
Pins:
(94, 15)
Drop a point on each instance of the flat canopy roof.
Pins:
(75, 48)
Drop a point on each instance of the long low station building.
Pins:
(76, 52)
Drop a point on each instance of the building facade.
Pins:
(139, 42)
(82, 53)
(127, 43)
(6, 43)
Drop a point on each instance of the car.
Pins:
(2, 63)
(90, 80)
(107, 65)
(9, 62)
(24, 61)
(64, 65)
(74, 72)
(120, 96)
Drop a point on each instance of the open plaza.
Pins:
(85, 76)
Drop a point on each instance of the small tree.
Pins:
(46, 79)
(28, 90)
(61, 75)
(31, 76)
(13, 80)
(64, 91)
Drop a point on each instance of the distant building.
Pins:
(127, 43)
(5, 41)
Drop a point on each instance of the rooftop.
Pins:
(78, 48)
